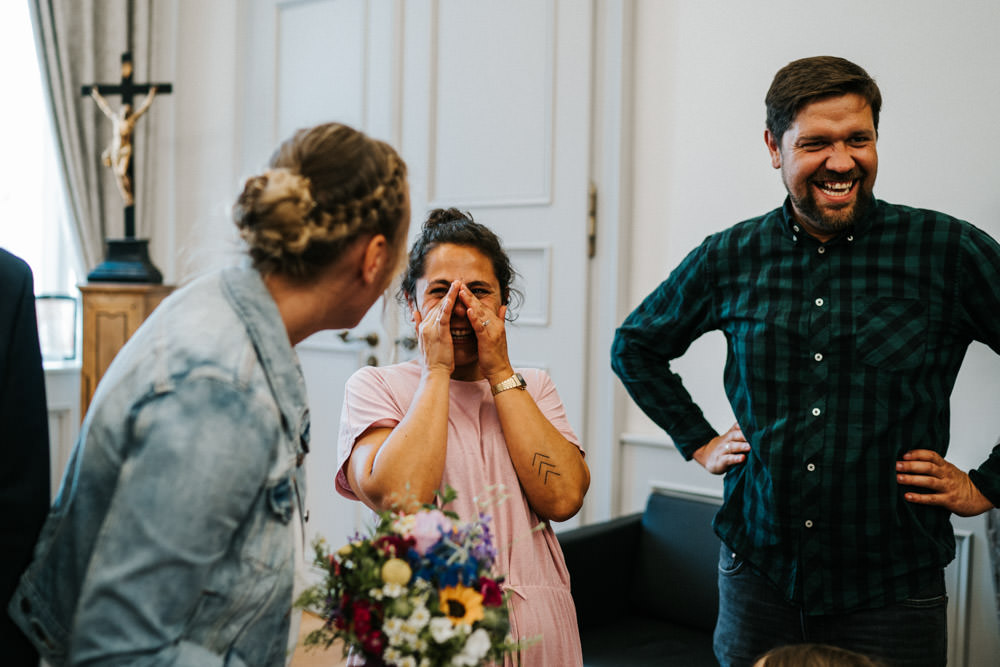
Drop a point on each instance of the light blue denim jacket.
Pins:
(171, 539)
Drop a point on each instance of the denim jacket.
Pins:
(171, 539)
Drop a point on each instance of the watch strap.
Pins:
(515, 381)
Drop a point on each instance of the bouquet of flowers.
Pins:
(419, 591)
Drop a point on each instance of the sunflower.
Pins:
(461, 604)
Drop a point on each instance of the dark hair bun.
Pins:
(440, 216)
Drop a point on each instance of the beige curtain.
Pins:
(81, 42)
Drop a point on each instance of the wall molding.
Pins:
(654, 440)
(534, 264)
(958, 577)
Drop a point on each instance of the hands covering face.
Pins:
(458, 328)
(491, 332)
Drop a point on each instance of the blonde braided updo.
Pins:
(326, 186)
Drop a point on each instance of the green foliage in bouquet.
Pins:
(418, 591)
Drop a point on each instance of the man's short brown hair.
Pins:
(809, 79)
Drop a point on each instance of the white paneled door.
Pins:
(489, 103)
(496, 121)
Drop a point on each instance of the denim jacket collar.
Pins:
(254, 304)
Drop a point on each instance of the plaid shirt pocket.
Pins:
(890, 333)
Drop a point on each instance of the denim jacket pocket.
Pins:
(890, 333)
(280, 499)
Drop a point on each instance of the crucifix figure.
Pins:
(118, 154)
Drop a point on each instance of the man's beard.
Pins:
(832, 221)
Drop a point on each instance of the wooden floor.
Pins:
(332, 657)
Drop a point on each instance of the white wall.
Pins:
(702, 68)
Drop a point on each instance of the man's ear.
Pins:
(375, 257)
(774, 148)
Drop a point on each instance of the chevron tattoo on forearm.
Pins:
(544, 466)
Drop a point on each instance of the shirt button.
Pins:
(809, 523)
(816, 412)
(819, 302)
(850, 237)
(795, 227)
(811, 467)
(821, 250)
(818, 357)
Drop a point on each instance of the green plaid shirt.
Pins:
(841, 357)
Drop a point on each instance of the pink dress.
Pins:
(532, 562)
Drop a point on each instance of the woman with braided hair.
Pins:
(173, 538)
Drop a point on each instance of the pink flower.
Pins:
(428, 526)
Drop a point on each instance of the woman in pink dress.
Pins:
(462, 416)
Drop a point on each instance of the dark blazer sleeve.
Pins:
(24, 436)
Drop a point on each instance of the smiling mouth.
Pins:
(836, 189)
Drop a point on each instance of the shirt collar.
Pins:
(794, 230)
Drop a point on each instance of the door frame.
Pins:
(607, 284)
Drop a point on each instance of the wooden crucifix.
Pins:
(119, 153)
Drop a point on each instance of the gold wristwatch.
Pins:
(515, 381)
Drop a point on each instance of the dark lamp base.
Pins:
(126, 261)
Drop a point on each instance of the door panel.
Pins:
(496, 121)
(489, 105)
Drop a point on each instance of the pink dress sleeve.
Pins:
(543, 390)
(368, 402)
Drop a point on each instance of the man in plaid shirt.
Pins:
(846, 320)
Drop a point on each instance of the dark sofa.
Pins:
(645, 584)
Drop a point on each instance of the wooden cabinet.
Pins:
(111, 314)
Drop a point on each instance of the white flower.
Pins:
(419, 618)
(393, 628)
(441, 629)
(475, 648)
(392, 656)
(407, 661)
(403, 525)
(392, 590)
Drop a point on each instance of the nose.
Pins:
(840, 158)
(460, 308)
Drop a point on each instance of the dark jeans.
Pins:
(754, 618)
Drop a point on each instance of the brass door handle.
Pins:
(370, 339)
